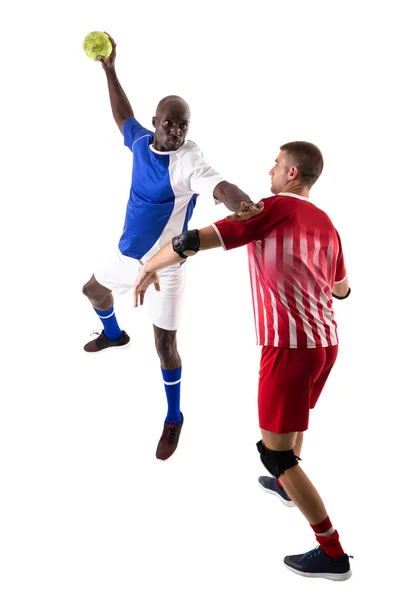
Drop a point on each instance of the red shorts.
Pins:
(291, 381)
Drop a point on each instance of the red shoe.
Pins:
(169, 439)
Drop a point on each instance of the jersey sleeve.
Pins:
(198, 175)
(234, 234)
(133, 130)
(340, 273)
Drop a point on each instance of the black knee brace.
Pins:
(188, 240)
(277, 461)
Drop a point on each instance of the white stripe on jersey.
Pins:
(253, 277)
(314, 312)
(288, 250)
(292, 322)
(288, 260)
(329, 254)
(258, 252)
(299, 297)
(270, 259)
(275, 313)
(264, 312)
(313, 301)
(328, 320)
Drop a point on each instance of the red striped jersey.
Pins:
(295, 257)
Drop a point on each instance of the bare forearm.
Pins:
(120, 105)
(231, 195)
(166, 257)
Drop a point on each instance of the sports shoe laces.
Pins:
(312, 553)
(316, 552)
(169, 432)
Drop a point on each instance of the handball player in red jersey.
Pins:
(296, 266)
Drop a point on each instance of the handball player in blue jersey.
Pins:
(169, 172)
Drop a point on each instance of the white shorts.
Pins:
(118, 274)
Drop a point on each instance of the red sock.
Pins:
(279, 483)
(328, 538)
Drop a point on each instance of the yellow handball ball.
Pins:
(97, 43)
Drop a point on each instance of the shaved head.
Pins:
(172, 102)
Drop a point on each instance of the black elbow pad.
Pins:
(188, 240)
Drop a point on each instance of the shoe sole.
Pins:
(288, 503)
(330, 576)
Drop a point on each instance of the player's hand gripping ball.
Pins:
(97, 43)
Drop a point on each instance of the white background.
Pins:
(86, 511)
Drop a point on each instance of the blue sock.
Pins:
(172, 384)
(110, 325)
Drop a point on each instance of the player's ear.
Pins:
(154, 121)
(293, 172)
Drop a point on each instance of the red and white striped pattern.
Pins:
(295, 257)
(291, 280)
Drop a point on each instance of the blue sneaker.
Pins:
(271, 485)
(317, 563)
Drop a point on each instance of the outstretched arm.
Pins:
(173, 253)
(120, 105)
(185, 245)
(231, 195)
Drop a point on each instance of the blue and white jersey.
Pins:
(164, 190)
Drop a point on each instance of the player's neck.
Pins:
(299, 190)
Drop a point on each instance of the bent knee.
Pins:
(277, 462)
(166, 345)
(93, 290)
(86, 289)
(166, 351)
